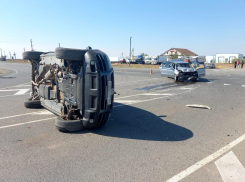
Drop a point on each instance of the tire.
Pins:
(68, 125)
(31, 55)
(175, 78)
(104, 121)
(70, 54)
(32, 104)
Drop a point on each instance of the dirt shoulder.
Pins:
(17, 61)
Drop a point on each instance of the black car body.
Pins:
(75, 84)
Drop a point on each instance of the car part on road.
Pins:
(198, 106)
(75, 84)
(29, 103)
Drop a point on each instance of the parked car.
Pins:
(75, 84)
(122, 61)
(182, 71)
(210, 65)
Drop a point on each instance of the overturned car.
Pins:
(182, 71)
(75, 84)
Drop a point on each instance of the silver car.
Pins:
(182, 71)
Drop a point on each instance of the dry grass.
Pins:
(119, 65)
(17, 61)
(224, 66)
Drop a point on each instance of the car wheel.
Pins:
(70, 54)
(31, 55)
(64, 125)
(175, 78)
(32, 103)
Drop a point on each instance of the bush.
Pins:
(233, 60)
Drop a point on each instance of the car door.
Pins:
(164, 68)
(171, 70)
(201, 69)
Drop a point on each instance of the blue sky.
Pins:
(204, 27)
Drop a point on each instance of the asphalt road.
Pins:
(151, 135)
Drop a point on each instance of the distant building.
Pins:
(227, 58)
(181, 53)
(210, 59)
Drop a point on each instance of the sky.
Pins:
(205, 27)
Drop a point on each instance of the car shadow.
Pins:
(133, 123)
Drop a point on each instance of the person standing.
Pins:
(237, 63)
(242, 64)
(234, 64)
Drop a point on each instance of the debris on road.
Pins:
(198, 106)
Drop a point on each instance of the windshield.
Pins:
(185, 65)
(154, 59)
(147, 58)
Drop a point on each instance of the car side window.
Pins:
(173, 65)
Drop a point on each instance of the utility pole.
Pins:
(4, 53)
(1, 53)
(24, 50)
(130, 48)
(10, 55)
(31, 45)
(132, 54)
(59, 44)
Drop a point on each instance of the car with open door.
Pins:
(182, 71)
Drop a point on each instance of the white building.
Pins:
(114, 59)
(227, 58)
(210, 59)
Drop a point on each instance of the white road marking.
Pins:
(185, 88)
(15, 72)
(155, 98)
(206, 160)
(230, 168)
(30, 113)
(137, 81)
(22, 91)
(226, 84)
(156, 91)
(126, 101)
(8, 126)
(16, 85)
(13, 95)
(155, 94)
(138, 101)
(43, 113)
(22, 86)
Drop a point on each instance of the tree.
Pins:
(233, 60)
(144, 55)
(175, 56)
